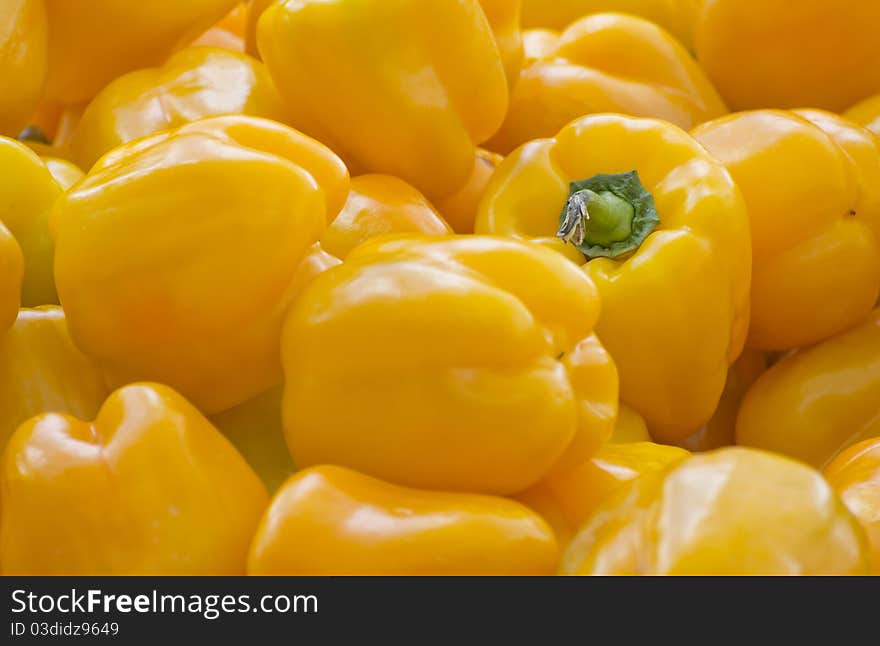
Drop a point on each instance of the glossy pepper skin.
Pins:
(333, 521)
(866, 113)
(23, 61)
(811, 53)
(629, 427)
(41, 371)
(161, 230)
(469, 364)
(720, 430)
(855, 476)
(148, 488)
(121, 36)
(676, 16)
(818, 401)
(811, 181)
(717, 514)
(607, 63)
(675, 305)
(28, 192)
(412, 107)
(570, 496)
(11, 276)
(380, 204)
(195, 83)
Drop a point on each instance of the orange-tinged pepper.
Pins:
(23, 61)
(152, 242)
(46, 118)
(855, 476)
(811, 181)
(333, 521)
(460, 363)
(460, 208)
(41, 371)
(676, 16)
(148, 488)
(27, 193)
(235, 21)
(377, 82)
(195, 83)
(818, 401)
(720, 431)
(574, 494)
(94, 42)
(607, 63)
(866, 113)
(779, 54)
(734, 511)
(379, 204)
(666, 234)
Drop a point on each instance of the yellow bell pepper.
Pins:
(630, 427)
(41, 371)
(720, 431)
(94, 42)
(460, 364)
(855, 476)
(228, 33)
(570, 496)
(23, 61)
(460, 208)
(379, 204)
(11, 276)
(540, 43)
(27, 193)
(734, 511)
(607, 63)
(780, 54)
(332, 521)
(811, 181)
(65, 173)
(153, 241)
(866, 113)
(377, 82)
(255, 9)
(254, 427)
(148, 488)
(666, 234)
(818, 401)
(195, 83)
(676, 16)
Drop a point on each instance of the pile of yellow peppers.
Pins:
(448, 287)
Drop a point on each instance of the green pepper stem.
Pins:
(596, 218)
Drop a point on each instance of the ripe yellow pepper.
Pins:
(228, 33)
(460, 364)
(41, 371)
(65, 173)
(570, 496)
(811, 181)
(11, 276)
(94, 42)
(413, 107)
(23, 61)
(866, 113)
(676, 16)
(460, 208)
(153, 241)
(148, 488)
(780, 54)
(674, 280)
(333, 521)
(607, 63)
(195, 83)
(818, 401)
(629, 427)
(731, 512)
(720, 431)
(27, 193)
(855, 476)
(379, 204)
